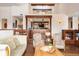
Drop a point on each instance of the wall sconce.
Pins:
(59, 21)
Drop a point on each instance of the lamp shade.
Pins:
(47, 33)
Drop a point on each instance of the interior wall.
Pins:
(75, 22)
(21, 10)
(56, 18)
(9, 11)
(6, 34)
(59, 8)
(5, 13)
(59, 22)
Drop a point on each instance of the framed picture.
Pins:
(18, 22)
(4, 23)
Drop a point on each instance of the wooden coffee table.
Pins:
(38, 52)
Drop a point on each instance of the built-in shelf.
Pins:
(38, 22)
(40, 25)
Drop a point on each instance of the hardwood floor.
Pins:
(71, 51)
(30, 49)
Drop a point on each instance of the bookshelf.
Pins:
(38, 22)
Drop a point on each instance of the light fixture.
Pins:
(47, 34)
(59, 21)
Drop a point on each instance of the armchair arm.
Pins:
(4, 50)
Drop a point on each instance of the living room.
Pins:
(39, 29)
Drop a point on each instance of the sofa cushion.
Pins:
(9, 41)
(17, 43)
(1, 41)
(12, 42)
(22, 39)
(19, 50)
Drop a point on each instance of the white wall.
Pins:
(5, 13)
(9, 11)
(56, 27)
(59, 8)
(69, 9)
(75, 22)
(6, 34)
(22, 9)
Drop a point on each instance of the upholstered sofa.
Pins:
(17, 43)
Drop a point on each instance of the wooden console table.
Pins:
(38, 52)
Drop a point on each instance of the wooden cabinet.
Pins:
(71, 37)
(71, 41)
(77, 37)
(68, 36)
(77, 43)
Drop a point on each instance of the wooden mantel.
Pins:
(38, 16)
